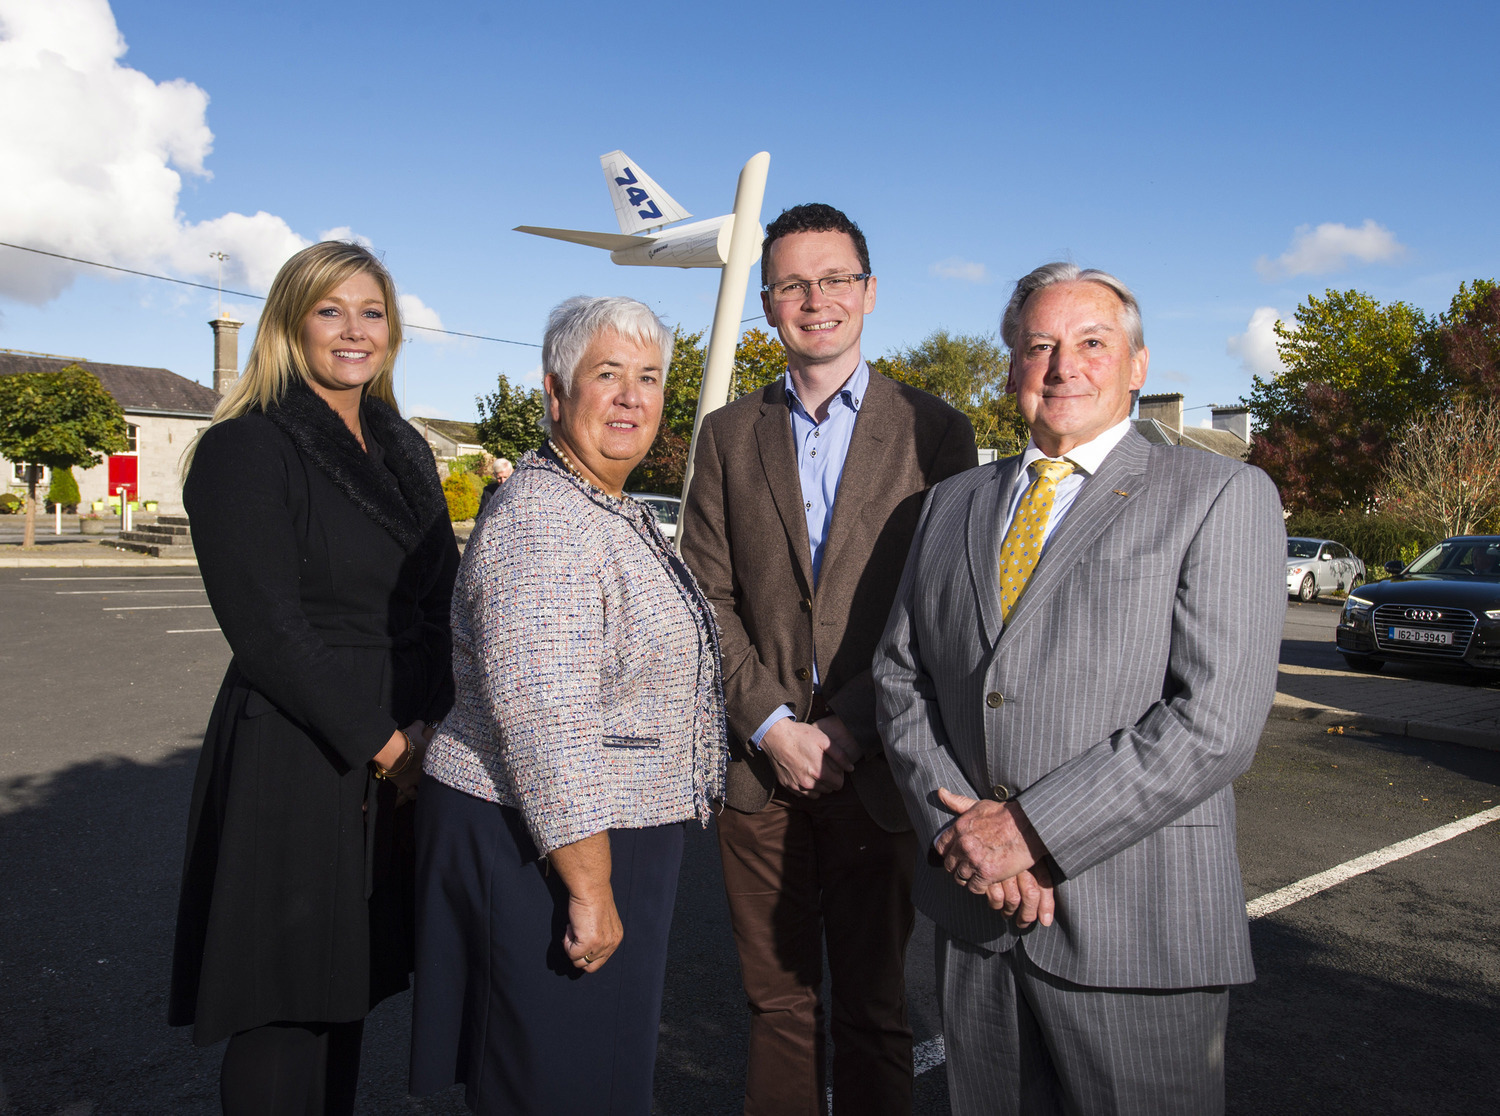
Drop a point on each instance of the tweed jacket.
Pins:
(744, 533)
(1127, 691)
(586, 662)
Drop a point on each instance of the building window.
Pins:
(131, 430)
(19, 473)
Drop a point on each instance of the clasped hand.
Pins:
(811, 759)
(992, 851)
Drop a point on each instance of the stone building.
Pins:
(1159, 420)
(163, 412)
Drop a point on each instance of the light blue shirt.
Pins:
(821, 449)
(1086, 460)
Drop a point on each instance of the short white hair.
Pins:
(1051, 274)
(573, 325)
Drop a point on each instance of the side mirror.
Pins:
(1394, 567)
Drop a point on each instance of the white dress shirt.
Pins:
(1086, 460)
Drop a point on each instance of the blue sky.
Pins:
(1226, 160)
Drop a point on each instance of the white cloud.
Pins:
(415, 312)
(92, 159)
(955, 267)
(1256, 347)
(1331, 247)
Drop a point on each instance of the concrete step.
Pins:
(155, 549)
(172, 520)
(158, 532)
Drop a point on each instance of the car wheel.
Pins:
(1309, 588)
(1364, 664)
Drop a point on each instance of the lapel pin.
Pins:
(1121, 492)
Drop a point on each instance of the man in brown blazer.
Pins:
(804, 500)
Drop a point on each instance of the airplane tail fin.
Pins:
(640, 203)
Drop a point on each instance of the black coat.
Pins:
(330, 571)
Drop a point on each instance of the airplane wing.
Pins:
(639, 202)
(610, 242)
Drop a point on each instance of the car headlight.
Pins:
(1353, 604)
(1293, 571)
(1493, 613)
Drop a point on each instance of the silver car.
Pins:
(1314, 566)
(665, 508)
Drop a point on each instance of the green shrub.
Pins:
(63, 490)
(11, 504)
(462, 491)
(1377, 539)
(468, 463)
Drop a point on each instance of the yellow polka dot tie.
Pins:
(1023, 542)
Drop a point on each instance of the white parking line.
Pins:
(189, 631)
(148, 608)
(931, 1054)
(1292, 893)
(115, 592)
(120, 577)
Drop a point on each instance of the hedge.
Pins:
(462, 491)
(1377, 539)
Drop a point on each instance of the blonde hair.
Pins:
(276, 356)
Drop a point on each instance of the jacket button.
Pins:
(1002, 792)
(806, 605)
(803, 674)
(994, 700)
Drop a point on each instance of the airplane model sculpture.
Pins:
(644, 210)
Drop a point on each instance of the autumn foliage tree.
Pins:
(57, 420)
(1355, 372)
(1443, 475)
(967, 372)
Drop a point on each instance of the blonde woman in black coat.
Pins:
(326, 551)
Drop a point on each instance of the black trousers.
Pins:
(292, 1069)
(498, 1006)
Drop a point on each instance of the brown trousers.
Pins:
(796, 871)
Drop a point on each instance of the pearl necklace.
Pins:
(567, 463)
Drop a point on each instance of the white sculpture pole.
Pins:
(734, 281)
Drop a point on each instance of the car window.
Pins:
(1337, 551)
(1460, 557)
(1301, 548)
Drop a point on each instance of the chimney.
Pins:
(226, 353)
(1165, 409)
(1236, 420)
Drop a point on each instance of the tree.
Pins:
(1328, 457)
(58, 420)
(1467, 341)
(968, 372)
(509, 420)
(1355, 373)
(1444, 475)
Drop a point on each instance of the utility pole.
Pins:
(221, 257)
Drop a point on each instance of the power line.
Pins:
(242, 294)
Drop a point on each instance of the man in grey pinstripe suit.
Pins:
(1065, 733)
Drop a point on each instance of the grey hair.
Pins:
(1053, 273)
(573, 325)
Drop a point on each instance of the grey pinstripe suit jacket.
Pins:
(1134, 679)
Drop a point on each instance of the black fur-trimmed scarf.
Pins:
(407, 504)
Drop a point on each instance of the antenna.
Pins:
(221, 257)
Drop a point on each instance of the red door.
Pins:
(122, 474)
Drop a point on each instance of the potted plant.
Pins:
(149, 505)
(91, 524)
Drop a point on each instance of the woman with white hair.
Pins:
(588, 726)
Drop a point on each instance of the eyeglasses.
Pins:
(795, 289)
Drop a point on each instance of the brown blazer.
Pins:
(744, 535)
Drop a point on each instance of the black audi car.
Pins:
(1443, 608)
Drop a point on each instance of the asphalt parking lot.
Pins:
(1379, 993)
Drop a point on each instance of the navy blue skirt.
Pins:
(498, 1006)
